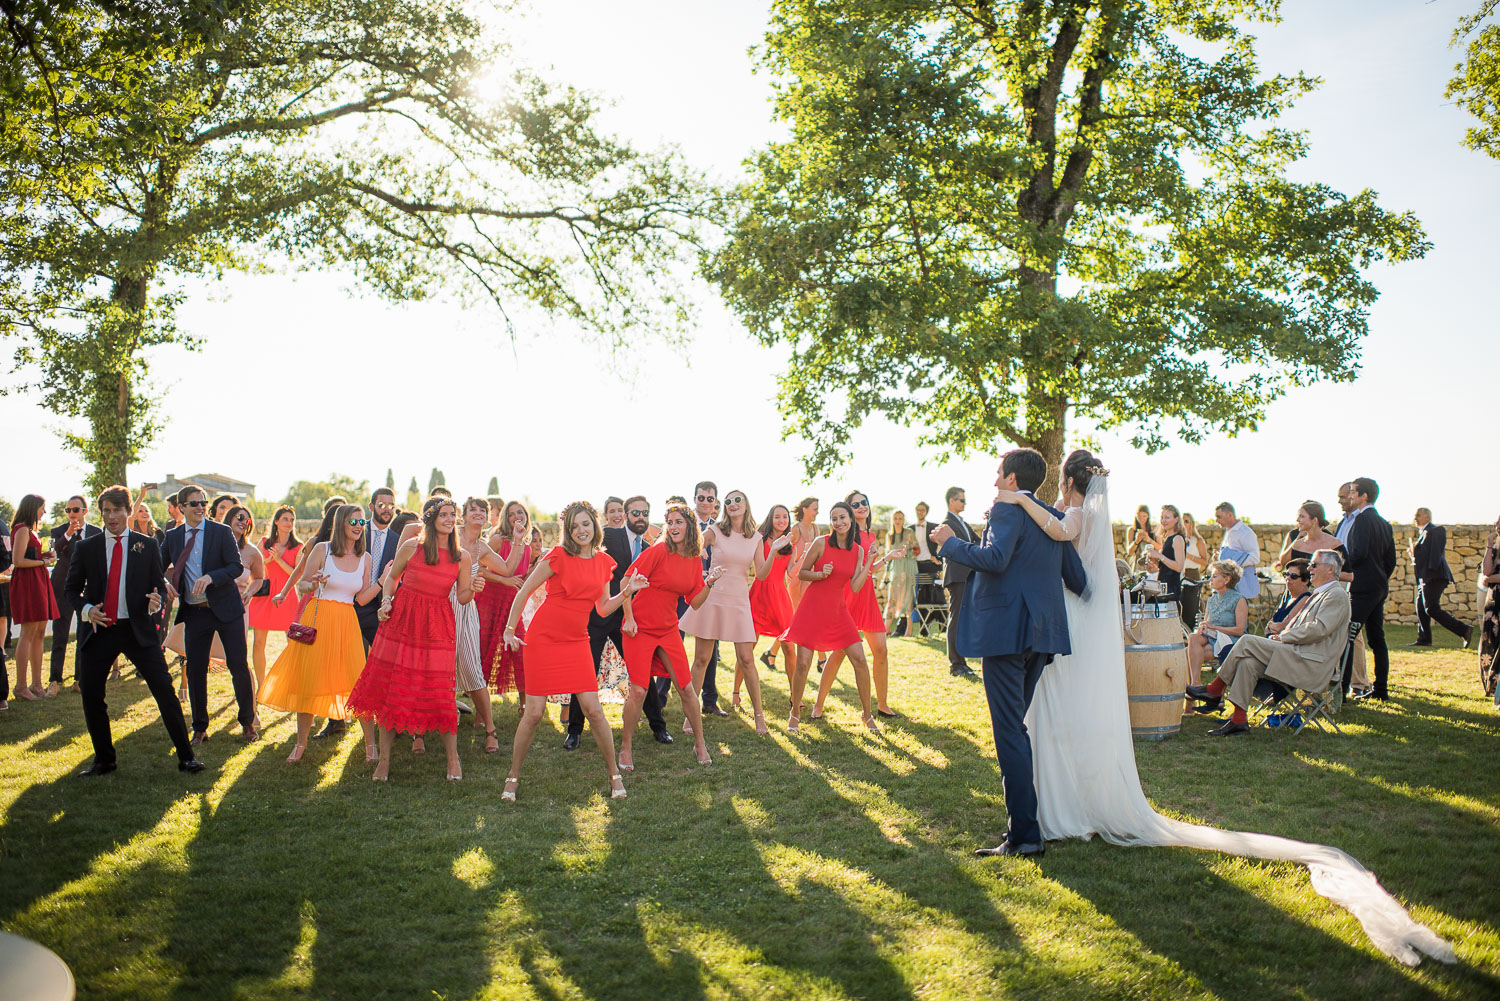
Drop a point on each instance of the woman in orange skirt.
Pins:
(558, 659)
(653, 645)
(822, 622)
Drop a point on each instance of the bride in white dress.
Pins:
(1084, 755)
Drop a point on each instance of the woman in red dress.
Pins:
(770, 601)
(32, 603)
(504, 667)
(281, 549)
(653, 645)
(407, 683)
(559, 662)
(822, 621)
(864, 606)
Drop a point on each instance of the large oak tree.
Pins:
(991, 217)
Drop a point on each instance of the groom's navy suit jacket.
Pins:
(1014, 600)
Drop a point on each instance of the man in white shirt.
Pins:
(1305, 654)
(1243, 548)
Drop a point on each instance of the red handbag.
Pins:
(299, 633)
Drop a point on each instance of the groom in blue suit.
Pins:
(1013, 618)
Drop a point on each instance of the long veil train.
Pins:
(1086, 775)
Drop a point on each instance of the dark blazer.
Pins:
(369, 612)
(953, 572)
(88, 576)
(617, 545)
(1372, 554)
(1429, 555)
(221, 565)
(925, 530)
(1014, 602)
(63, 546)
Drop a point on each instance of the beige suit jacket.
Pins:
(1313, 643)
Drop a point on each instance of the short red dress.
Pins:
(671, 576)
(822, 621)
(559, 660)
(864, 605)
(31, 597)
(770, 604)
(502, 666)
(409, 677)
(264, 613)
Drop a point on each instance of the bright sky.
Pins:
(554, 422)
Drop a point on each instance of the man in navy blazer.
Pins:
(203, 571)
(1013, 618)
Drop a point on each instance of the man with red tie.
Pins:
(116, 581)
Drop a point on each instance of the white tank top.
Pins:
(343, 585)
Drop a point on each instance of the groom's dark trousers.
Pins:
(1009, 683)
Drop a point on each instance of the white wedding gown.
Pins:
(1085, 759)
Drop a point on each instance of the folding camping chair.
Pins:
(931, 607)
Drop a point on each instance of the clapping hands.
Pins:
(941, 534)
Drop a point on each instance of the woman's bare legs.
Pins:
(484, 718)
(633, 705)
(856, 654)
(536, 705)
(450, 745)
(744, 663)
(703, 651)
(692, 708)
(604, 738)
(799, 685)
(825, 684)
(879, 668)
(383, 766)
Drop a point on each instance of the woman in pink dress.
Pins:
(407, 683)
(577, 574)
(32, 603)
(864, 606)
(504, 667)
(726, 615)
(280, 550)
(770, 601)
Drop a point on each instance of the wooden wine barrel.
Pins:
(1156, 670)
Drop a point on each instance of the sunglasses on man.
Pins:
(196, 503)
(634, 513)
(75, 510)
(705, 498)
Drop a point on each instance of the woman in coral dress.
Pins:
(559, 661)
(32, 603)
(726, 615)
(504, 667)
(407, 684)
(864, 606)
(280, 549)
(770, 601)
(833, 564)
(671, 570)
(315, 679)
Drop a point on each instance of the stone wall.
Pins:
(1466, 545)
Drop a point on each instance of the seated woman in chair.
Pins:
(1225, 617)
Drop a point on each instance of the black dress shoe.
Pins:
(98, 768)
(1006, 848)
(962, 672)
(1229, 729)
(717, 711)
(1199, 692)
(334, 728)
(195, 766)
(570, 742)
(1468, 637)
(662, 736)
(1420, 643)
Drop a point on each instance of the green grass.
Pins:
(832, 865)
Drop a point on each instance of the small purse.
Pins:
(299, 633)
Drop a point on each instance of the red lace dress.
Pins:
(559, 660)
(770, 604)
(655, 609)
(822, 621)
(408, 681)
(503, 668)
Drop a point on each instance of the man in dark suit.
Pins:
(1013, 617)
(623, 546)
(955, 576)
(64, 537)
(115, 580)
(202, 577)
(1430, 562)
(1372, 559)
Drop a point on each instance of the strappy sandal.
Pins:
(793, 720)
(760, 724)
(509, 793)
(620, 792)
(491, 742)
(707, 759)
(625, 766)
(372, 753)
(870, 723)
(296, 754)
(765, 659)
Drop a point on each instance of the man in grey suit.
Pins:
(1305, 654)
(955, 578)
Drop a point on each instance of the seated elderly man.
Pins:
(1304, 654)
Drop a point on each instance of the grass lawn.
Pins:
(831, 865)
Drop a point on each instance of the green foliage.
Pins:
(307, 497)
(413, 495)
(390, 479)
(494, 488)
(1476, 88)
(435, 479)
(395, 139)
(988, 217)
(7, 511)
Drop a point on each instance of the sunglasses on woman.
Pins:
(359, 521)
(859, 505)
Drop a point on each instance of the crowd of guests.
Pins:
(390, 614)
